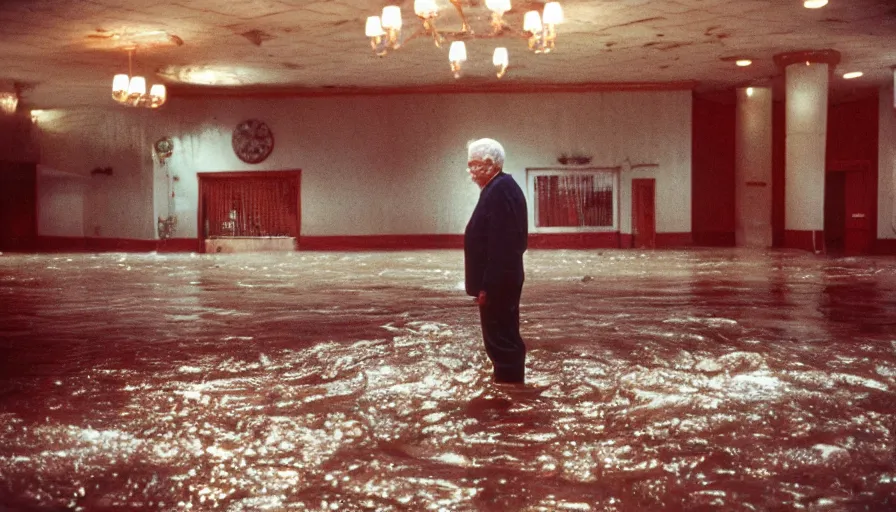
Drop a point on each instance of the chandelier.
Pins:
(540, 30)
(131, 90)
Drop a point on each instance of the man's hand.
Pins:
(481, 298)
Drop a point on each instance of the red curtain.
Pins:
(574, 200)
(249, 207)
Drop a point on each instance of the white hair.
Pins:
(486, 149)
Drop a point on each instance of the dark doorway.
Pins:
(18, 206)
(858, 236)
(643, 213)
(835, 212)
(847, 212)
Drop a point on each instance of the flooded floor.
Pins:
(667, 380)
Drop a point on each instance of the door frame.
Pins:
(292, 173)
(864, 167)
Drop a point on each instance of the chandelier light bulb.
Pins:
(498, 6)
(158, 92)
(391, 17)
(815, 4)
(553, 13)
(374, 28)
(426, 9)
(120, 86)
(457, 52)
(137, 86)
(532, 22)
(500, 59)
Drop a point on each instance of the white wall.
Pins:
(886, 186)
(74, 142)
(61, 202)
(374, 164)
(806, 120)
(753, 164)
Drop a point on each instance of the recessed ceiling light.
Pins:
(853, 74)
(743, 62)
(815, 4)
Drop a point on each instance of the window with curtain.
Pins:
(573, 200)
(252, 207)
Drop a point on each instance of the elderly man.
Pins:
(494, 243)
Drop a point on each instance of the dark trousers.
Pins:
(500, 319)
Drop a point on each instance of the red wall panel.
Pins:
(713, 172)
(18, 206)
(853, 135)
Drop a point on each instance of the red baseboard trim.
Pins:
(610, 240)
(714, 238)
(60, 244)
(802, 240)
(662, 240)
(119, 245)
(885, 246)
(93, 244)
(574, 240)
(674, 240)
(606, 240)
(179, 245)
(380, 242)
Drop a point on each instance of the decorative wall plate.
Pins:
(252, 141)
(164, 146)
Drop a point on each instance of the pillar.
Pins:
(806, 106)
(753, 168)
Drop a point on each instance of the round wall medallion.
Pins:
(164, 146)
(252, 141)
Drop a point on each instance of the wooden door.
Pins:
(857, 236)
(644, 213)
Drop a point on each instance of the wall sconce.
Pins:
(8, 102)
(101, 170)
(565, 159)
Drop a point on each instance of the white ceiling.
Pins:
(65, 52)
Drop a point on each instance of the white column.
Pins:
(807, 118)
(753, 168)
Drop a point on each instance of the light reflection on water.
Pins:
(327, 381)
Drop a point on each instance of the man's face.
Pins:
(480, 171)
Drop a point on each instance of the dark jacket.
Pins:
(495, 239)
